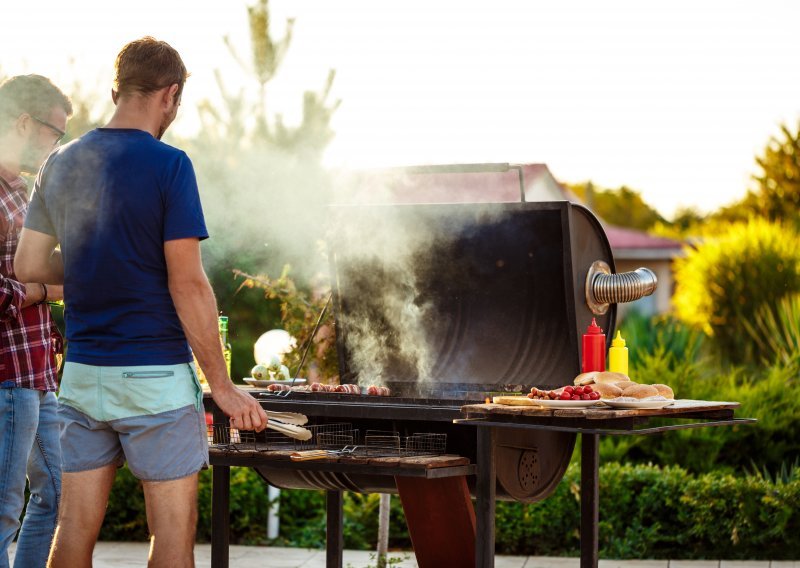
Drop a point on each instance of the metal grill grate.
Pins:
(339, 439)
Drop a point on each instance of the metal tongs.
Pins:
(307, 455)
(289, 424)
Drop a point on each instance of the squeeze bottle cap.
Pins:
(594, 329)
(618, 341)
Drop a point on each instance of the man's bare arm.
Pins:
(197, 309)
(37, 259)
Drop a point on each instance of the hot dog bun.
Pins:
(585, 378)
(606, 390)
(640, 391)
(665, 391)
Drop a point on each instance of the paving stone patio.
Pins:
(130, 554)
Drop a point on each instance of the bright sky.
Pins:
(674, 99)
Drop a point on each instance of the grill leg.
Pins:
(335, 535)
(485, 490)
(440, 519)
(220, 515)
(590, 500)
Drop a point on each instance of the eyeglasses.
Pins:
(52, 127)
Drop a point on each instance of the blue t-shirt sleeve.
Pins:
(38, 218)
(183, 213)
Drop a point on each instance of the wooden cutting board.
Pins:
(514, 400)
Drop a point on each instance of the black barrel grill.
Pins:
(447, 304)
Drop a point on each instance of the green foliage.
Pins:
(778, 196)
(623, 207)
(776, 331)
(777, 193)
(654, 512)
(301, 310)
(646, 512)
(726, 280)
(662, 337)
(765, 394)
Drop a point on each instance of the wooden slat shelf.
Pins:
(598, 412)
(420, 466)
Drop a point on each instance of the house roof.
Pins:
(411, 185)
(631, 244)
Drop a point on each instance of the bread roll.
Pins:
(640, 391)
(625, 384)
(610, 378)
(665, 391)
(606, 390)
(585, 378)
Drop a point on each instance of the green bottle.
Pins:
(226, 347)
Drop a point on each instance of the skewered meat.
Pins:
(277, 387)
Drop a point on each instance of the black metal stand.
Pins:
(220, 515)
(334, 549)
(485, 503)
(590, 500)
(590, 431)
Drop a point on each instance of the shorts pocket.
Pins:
(148, 374)
(138, 392)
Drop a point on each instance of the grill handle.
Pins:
(604, 288)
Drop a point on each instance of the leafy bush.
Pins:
(776, 331)
(662, 337)
(727, 279)
(645, 512)
(653, 512)
(764, 394)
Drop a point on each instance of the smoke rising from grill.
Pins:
(388, 317)
(394, 265)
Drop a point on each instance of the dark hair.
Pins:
(32, 94)
(146, 65)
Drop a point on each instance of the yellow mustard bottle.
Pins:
(618, 355)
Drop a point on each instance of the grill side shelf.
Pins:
(430, 467)
(680, 407)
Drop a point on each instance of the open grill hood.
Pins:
(456, 299)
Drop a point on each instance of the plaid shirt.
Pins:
(28, 336)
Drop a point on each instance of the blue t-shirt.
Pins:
(112, 198)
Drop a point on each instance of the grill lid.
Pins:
(456, 298)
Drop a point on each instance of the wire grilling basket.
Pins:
(336, 439)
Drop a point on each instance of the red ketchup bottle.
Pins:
(594, 349)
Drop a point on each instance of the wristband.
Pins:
(44, 294)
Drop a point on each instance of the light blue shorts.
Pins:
(152, 417)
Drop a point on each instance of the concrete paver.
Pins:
(134, 554)
(634, 563)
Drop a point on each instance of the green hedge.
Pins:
(646, 512)
(767, 394)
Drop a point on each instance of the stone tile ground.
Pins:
(134, 554)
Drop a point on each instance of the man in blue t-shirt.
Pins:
(124, 209)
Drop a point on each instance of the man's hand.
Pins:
(244, 411)
(34, 293)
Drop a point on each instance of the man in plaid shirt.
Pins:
(33, 116)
